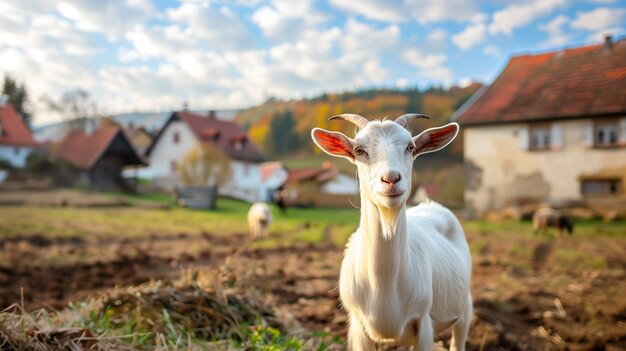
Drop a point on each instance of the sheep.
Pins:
(548, 217)
(405, 273)
(259, 218)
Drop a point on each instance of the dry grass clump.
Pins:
(210, 311)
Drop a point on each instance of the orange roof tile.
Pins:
(580, 82)
(14, 130)
(84, 150)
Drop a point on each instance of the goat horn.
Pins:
(359, 121)
(404, 119)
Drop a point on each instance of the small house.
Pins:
(324, 186)
(100, 156)
(551, 128)
(16, 140)
(184, 130)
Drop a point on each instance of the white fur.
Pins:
(406, 272)
(259, 219)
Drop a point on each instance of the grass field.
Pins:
(530, 291)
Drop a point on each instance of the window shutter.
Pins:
(556, 136)
(622, 131)
(588, 134)
(522, 138)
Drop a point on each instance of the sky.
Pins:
(156, 55)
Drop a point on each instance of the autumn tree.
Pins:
(205, 165)
(18, 97)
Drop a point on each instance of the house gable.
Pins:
(85, 150)
(576, 83)
(13, 130)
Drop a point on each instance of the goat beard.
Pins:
(389, 220)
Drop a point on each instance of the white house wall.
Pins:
(16, 155)
(500, 171)
(245, 183)
(165, 150)
(341, 185)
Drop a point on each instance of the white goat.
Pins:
(405, 274)
(259, 218)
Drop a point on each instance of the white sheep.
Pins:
(259, 218)
(405, 274)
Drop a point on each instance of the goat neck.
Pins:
(383, 242)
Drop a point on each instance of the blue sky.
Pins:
(143, 55)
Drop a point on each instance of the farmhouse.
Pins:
(16, 140)
(323, 186)
(551, 128)
(100, 156)
(184, 130)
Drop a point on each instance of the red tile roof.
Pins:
(228, 135)
(14, 130)
(319, 174)
(84, 150)
(580, 82)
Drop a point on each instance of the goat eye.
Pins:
(410, 148)
(359, 150)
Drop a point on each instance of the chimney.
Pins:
(608, 42)
(212, 114)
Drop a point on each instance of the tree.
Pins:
(18, 97)
(282, 136)
(205, 165)
(75, 106)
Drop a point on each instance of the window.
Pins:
(605, 135)
(173, 166)
(600, 187)
(539, 138)
(176, 137)
(1, 131)
(16, 150)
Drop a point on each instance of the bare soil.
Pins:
(526, 306)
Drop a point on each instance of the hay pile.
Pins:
(210, 311)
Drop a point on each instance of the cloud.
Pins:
(429, 66)
(471, 36)
(285, 20)
(421, 11)
(112, 18)
(556, 35)
(599, 18)
(492, 50)
(218, 28)
(600, 22)
(514, 16)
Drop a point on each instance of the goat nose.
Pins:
(390, 177)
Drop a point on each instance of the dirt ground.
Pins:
(518, 305)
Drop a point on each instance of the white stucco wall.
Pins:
(245, 183)
(500, 171)
(165, 150)
(16, 155)
(341, 185)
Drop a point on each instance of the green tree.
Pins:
(18, 97)
(283, 138)
(414, 105)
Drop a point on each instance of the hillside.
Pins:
(282, 127)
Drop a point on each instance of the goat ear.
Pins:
(333, 143)
(434, 139)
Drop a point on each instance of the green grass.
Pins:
(305, 225)
(583, 228)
